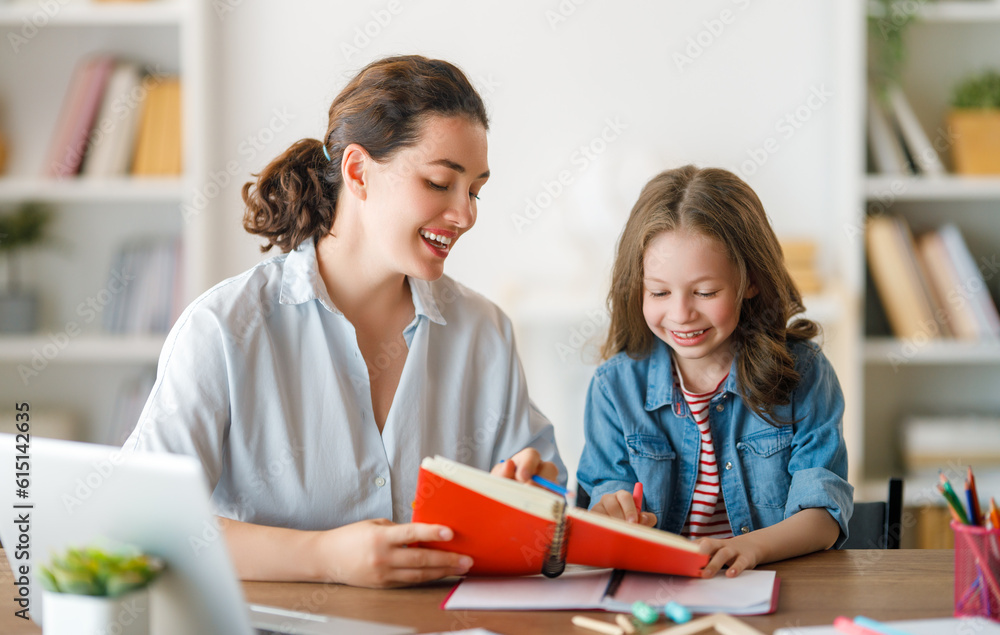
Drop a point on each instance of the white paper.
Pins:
(747, 594)
(747, 589)
(571, 590)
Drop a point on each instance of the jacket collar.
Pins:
(660, 377)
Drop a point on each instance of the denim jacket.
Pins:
(638, 429)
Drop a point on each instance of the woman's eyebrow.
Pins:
(458, 167)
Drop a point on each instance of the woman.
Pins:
(311, 386)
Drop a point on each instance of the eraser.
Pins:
(677, 612)
(644, 612)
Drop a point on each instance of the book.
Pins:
(753, 592)
(898, 280)
(947, 286)
(512, 528)
(973, 287)
(922, 151)
(941, 626)
(116, 125)
(69, 143)
(888, 155)
(158, 145)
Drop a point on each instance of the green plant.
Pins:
(888, 21)
(978, 91)
(92, 571)
(23, 227)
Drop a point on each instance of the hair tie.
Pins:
(326, 153)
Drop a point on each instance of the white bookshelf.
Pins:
(89, 349)
(81, 373)
(144, 190)
(153, 12)
(887, 351)
(944, 376)
(944, 188)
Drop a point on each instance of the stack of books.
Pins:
(931, 286)
(117, 120)
(145, 277)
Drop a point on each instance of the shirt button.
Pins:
(744, 530)
(720, 407)
(729, 465)
(380, 481)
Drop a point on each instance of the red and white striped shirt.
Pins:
(708, 517)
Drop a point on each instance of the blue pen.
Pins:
(547, 484)
(878, 627)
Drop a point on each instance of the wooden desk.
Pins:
(885, 585)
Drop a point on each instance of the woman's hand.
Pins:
(621, 505)
(740, 553)
(373, 553)
(525, 464)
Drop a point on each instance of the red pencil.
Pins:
(637, 497)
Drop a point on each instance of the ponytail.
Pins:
(294, 197)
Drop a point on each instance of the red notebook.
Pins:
(511, 528)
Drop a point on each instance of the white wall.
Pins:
(552, 82)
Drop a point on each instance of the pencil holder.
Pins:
(977, 567)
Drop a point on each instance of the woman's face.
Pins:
(423, 199)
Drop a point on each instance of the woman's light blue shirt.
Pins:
(262, 380)
(638, 429)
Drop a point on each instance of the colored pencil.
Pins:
(949, 495)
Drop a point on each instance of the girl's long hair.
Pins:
(294, 198)
(718, 204)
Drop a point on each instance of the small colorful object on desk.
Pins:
(644, 612)
(677, 612)
(598, 626)
(626, 624)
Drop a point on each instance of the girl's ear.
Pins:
(353, 170)
(751, 291)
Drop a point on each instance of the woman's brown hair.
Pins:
(717, 204)
(382, 110)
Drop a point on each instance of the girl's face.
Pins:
(690, 300)
(422, 200)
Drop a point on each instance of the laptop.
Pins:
(79, 494)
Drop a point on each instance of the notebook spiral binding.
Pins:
(555, 560)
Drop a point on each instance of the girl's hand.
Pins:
(621, 505)
(373, 553)
(525, 464)
(740, 553)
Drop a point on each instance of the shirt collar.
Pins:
(424, 302)
(301, 283)
(300, 280)
(660, 377)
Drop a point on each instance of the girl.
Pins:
(311, 386)
(727, 414)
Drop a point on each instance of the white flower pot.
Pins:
(66, 614)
